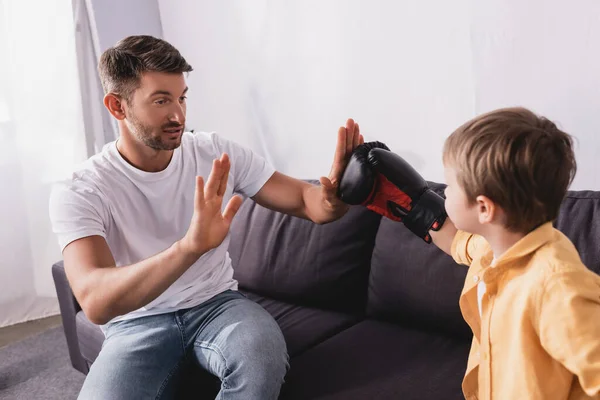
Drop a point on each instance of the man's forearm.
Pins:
(115, 291)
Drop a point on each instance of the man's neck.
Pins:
(501, 240)
(141, 156)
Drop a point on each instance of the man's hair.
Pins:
(521, 161)
(122, 66)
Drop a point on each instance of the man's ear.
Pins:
(114, 104)
(486, 209)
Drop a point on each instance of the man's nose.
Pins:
(177, 115)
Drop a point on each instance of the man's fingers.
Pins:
(232, 208)
(330, 188)
(214, 180)
(199, 195)
(340, 148)
(361, 140)
(356, 136)
(349, 135)
(325, 182)
(225, 166)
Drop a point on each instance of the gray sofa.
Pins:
(368, 310)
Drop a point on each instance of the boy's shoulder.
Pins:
(558, 263)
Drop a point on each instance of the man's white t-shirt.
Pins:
(143, 213)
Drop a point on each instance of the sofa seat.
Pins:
(379, 360)
(302, 327)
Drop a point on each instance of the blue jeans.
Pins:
(230, 336)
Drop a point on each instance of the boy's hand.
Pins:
(209, 225)
(349, 138)
(385, 183)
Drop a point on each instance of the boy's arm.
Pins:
(445, 236)
(385, 183)
(569, 324)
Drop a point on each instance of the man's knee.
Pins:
(134, 363)
(261, 347)
(267, 347)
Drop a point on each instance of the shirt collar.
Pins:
(527, 245)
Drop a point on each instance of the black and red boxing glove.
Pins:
(385, 183)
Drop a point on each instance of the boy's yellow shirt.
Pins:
(538, 336)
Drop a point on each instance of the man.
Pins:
(144, 237)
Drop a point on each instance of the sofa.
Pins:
(368, 310)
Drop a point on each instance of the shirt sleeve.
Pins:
(466, 247)
(75, 213)
(569, 324)
(250, 171)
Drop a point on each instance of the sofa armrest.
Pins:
(68, 311)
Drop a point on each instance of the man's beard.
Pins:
(144, 133)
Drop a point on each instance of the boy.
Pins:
(534, 308)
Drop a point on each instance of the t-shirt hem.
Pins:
(66, 240)
(252, 189)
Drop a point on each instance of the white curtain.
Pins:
(41, 139)
(100, 127)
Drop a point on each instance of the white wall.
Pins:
(116, 19)
(409, 72)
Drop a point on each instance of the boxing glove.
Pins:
(385, 183)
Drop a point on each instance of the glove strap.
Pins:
(428, 214)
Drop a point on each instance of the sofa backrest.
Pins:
(416, 283)
(579, 220)
(362, 262)
(413, 282)
(290, 259)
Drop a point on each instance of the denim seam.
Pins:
(172, 371)
(216, 349)
(179, 324)
(166, 380)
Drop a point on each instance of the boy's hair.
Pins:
(121, 66)
(521, 161)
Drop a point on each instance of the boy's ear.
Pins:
(486, 209)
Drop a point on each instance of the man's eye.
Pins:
(160, 102)
(182, 98)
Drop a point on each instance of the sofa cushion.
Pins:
(377, 360)
(413, 282)
(304, 327)
(296, 261)
(579, 220)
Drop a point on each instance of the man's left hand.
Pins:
(349, 138)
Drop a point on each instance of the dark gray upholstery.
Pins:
(90, 338)
(68, 310)
(304, 327)
(294, 260)
(579, 219)
(414, 283)
(368, 310)
(376, 360)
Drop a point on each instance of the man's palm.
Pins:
(349, 138)
(209, 225)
